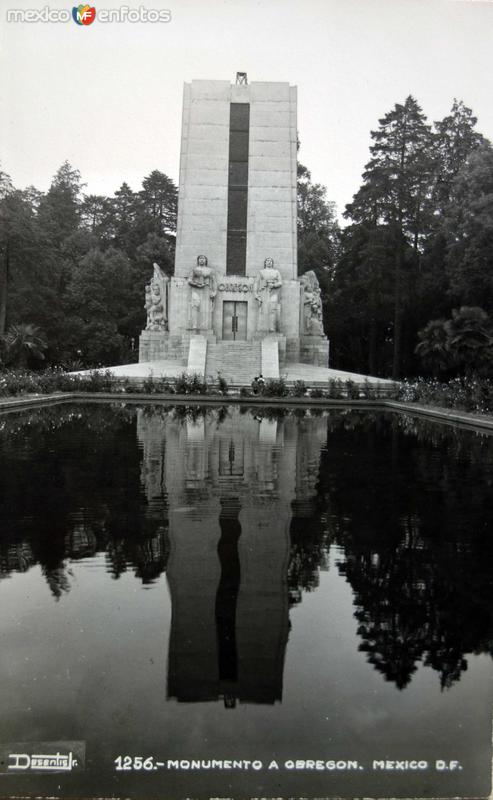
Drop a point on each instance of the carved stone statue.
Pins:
(156, 300)
(312, 305)
(267, 292)
(204, 289)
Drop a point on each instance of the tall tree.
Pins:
(468, 227)
(97, 303)
(360, 300)
(396, 191)
(59, 210)
(160, 199)
(96, 215)
(20, 244)
(455, 140)
(6, 189)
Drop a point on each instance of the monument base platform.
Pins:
(163, 346)
(309, 373)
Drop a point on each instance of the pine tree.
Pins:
(455, 140)
(396, 193)
(468, 227)
(159, 201)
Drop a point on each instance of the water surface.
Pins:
(186, 584)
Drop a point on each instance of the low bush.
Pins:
(352, 390)
(299, 389)
(191, 384)
(275, 387)
(318, 394)
(222, 384)
(335, 389)
(98, 381)
(368, 390)
(149, 384)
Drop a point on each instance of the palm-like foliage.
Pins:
(470, 337)
(433, 347)
(24, 343)
(463, 342)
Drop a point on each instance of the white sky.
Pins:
(108, 97)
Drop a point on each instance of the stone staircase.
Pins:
(238, 362)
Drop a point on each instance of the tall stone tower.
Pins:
(236, 278)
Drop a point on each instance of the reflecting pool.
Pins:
(244, 602)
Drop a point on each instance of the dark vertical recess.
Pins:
(239, 125)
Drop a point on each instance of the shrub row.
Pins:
(22, 381)
(336, 390)
(474, 394)
(471, 394)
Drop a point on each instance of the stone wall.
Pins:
(203, 192)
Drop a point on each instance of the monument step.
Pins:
(238, 362)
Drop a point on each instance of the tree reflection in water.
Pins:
(70, 488)
(409, 509)
(406, 502)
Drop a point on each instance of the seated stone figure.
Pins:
(312, 305)
(155, 301)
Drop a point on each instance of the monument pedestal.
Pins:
(161, 346)
(314, 350)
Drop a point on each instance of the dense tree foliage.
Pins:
(73, 266)
(318, 231)
(417, 247)
(414, 261)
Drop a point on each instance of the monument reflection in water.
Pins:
(233, 490)
(307, 590)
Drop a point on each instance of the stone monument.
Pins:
(236, 276)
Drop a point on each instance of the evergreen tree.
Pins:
(96, 215)
(396, 193)
(75, 266)
(59, 210)
(468, 228)
(160, 201)
(21, 244)
(360, 300)
(455, 140)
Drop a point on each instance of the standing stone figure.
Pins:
(312, 305)
(155, 301)
(267, 294)
(203, 294)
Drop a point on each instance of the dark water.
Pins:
(312, 592)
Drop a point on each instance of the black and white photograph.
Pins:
(246, 399)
